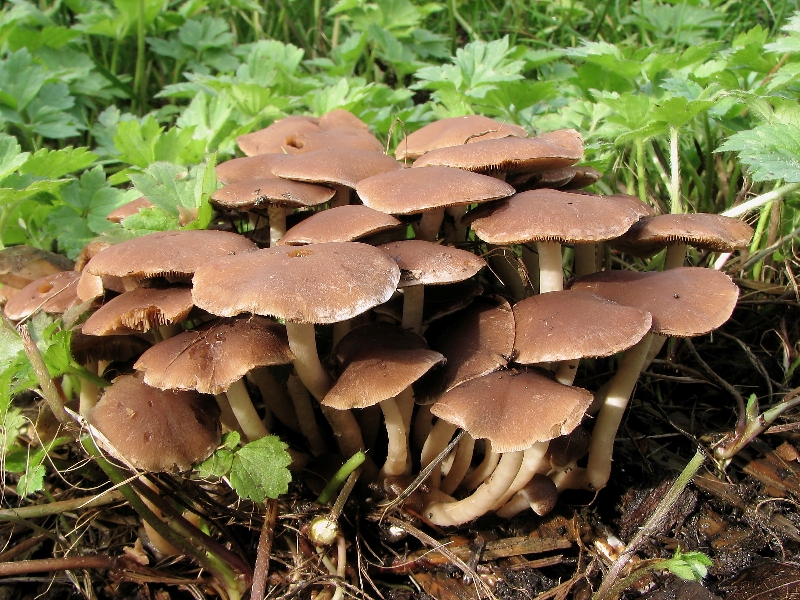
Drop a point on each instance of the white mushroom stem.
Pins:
(676, 256)
(397, 453)
(309, 369)
(303, 345)
(226, 417)
(532, 459)
(460, 466)
(429, 224)
(614, 401)
(423, 423)
(483, 470)
(440, 435)
(274, 396)
(405, 402)
(413, 301)
(245, 412)
(482, 500)
(277, 223)
(305, 415)
(89, 391)
(551, 272)
(585, 262)
(566, 371)
(157, 541)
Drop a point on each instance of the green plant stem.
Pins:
(641, 180)
(763, 219)
(49, 391)
(340, 477)
(760, 200)
(178, 533)
(139, 83)
(38, 511)
(653, 523)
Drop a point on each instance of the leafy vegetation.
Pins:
(691, 105)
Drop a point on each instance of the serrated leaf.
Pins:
(20, 79)
(163, 184)
(259, 469)
(10, 156)
(149, 220)
(31, 481)
(771, 151)
(12, 422)
(217, 465)
(52, 164)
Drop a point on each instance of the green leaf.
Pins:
(691, 566)
(149, 220)
(12, 422)
(52, 164)
(217, 465)
(10, 156)
(163, 184)
(20, 79)
(771, 151)
(31, 481)
(259, 469)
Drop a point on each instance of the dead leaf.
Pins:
(766, 581)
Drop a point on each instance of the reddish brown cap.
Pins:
(701, 230)
(318, 283)
(140, 310)
(513, 409)
(339, 224)
(684, 302)
(52, 293)
(412, 191)
(506, 155)
(551, 216)
(378, 361)
(252, 193)
(126, 210)
(476, 341)
(279, 138)
(212, 357)
(454, 131)
(336, 166)
(428, 263)
(571, 324)
(156, 430)
(249, 167)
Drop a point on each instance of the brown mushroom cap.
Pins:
(379, 361)
(454, 131)
(476, 341)
(506, 155)
(701, 230)
(215, 355)
(128, 209)
(684, 302)
(20, 265)
(413, 191)
(166, 253)
(252, 193)
(140, 310)
(513, 409)
(279, 137)
(318, 283)
(428, 263)
(571, 324)
(551, 216)
(87, 348)
(336, 166)
(156, 430)
(52, 293)
(249, 167)
(339, 224)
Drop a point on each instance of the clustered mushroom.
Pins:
(498, 365)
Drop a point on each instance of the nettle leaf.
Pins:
(47, 112)
(163, 184)
(20, 79)
(771, 151)
(11, 157)
(31, 481)
(678, 111)
(259, 469)
(52, 164)
(12, 422)
(219, 464)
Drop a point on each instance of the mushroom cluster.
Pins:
(371, 285)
